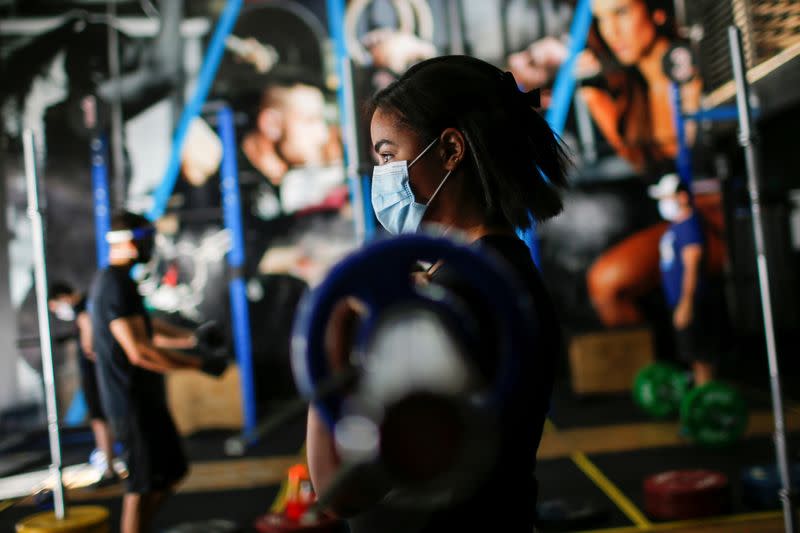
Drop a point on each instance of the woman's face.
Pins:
(393, 141)
(626, 27)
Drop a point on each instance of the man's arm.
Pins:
(691, 256)
(84, 323)
(170, 337)
(131, 333)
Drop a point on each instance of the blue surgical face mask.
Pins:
(393, 200)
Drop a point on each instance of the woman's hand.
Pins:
(341, 331)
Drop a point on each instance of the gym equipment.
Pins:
(80, 519)
(714, 414)
(206, 526)
(560, 515)
(84, 519)
(563, 89)
(213, 56)
(295, 511)
(608, 361)
(746, 138)
(761, 485)
(343, 68)
(659, 388)
(684, 494)
(413, 364)
(240, 314)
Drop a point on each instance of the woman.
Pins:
(472, 152)
(631, 104)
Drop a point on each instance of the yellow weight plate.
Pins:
(83, 519)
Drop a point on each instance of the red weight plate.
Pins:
(683, 494)
(278, 523)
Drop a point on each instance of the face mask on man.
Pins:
(669, 209)
(64, 311)
(393, 200)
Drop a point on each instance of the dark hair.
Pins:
(58, 289)
(517, 162)
(123, 220)
(629, 91)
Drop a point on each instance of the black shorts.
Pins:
(700, 340)
(89, 385)
(152, 450)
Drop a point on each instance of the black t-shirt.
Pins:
(80, 307)
(124, 388)
(506, 500)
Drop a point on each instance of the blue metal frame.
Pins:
(240, 313)
(717, 114)
(684, 160)
(208, 71)
(563, 89)
(102, 207)
(98, 153)
(564, 85)
(369, 212)
(358, 186)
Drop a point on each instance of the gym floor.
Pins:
(587, 460)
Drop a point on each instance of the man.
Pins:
(292, 175)
(681, 253)
(69, 305)
(132, 354)
(291, 135)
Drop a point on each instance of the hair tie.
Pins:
(532, 98)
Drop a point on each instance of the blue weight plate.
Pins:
(379, 276)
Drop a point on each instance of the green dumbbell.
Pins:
(659, 388)
(714, 414)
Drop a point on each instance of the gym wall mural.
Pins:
(600, 258)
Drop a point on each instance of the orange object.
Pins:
(300, 498)
(299, 493)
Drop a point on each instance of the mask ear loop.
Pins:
(423, 152)
(439, 188)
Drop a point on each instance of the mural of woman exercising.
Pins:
(633, 110)
(458, 145)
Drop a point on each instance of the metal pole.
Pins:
(240, 314)
(684, 162)
(102, 209)
(118, 161)
(211, 61)
(40, 270)
(564, 84)
(746, 140)
(347, 112)
(583, 118)
(8, 363)
(456, 35)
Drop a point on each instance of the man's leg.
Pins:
(132, 508)
(104, 442)
(150, 506)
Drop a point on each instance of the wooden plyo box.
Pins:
(198, 401)
(607, 361)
